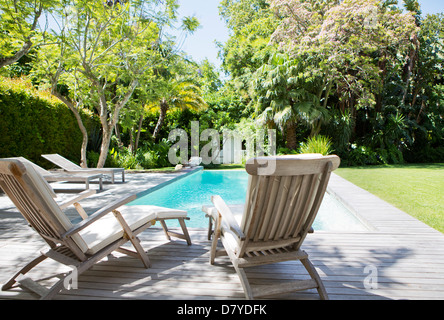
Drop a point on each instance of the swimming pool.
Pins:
(195, 190)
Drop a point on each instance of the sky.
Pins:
(201, 44)
(429, 6)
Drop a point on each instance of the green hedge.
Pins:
(33, 123)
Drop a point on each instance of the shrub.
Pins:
(33, 123)
(361, 155)
(148, 156)
(317, 144)
(284, 151)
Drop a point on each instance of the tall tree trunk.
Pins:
(410, 65)
(291, 135)
(107, 131)
(75, 111)
(119, 139)
(131, 147)
(316, 128)
(108, 126)
(163, 110)
(83, 160)
(139, 129)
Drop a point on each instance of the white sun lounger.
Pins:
(71, 167)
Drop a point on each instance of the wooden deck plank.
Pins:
(408, 256)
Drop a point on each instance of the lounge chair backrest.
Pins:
(39, 170)
(32, 195)
(283, 197)
(61, 162)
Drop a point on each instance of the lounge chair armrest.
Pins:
(227, 215)
(82, 195)
(97, 215)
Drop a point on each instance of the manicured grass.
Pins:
(417, 189)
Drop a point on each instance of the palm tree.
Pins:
(177, 93)
(284, 97)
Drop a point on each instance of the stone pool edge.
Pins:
(187, 172)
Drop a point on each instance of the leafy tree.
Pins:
(209, 78)
(251, 24)
(353, 41)
(284, 96)
(19, 26)
(103, 52)
(422, 103)
(176, 93)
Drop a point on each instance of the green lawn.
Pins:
(417, 189)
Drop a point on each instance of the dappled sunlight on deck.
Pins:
(406, 254)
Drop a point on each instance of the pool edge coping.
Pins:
(382, 216)
(370, 210)
(187, 173)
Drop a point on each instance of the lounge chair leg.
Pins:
(245, 283)
(165, 229)
(168, 234)
(134, 240)
(23, 271)
(142, 254)
(216, 236)
(315, 276)
(185, 231)
(54, 290)
(210, 228)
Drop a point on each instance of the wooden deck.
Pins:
(404, 257)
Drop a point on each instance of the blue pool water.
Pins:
(195, 190)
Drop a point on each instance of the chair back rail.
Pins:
(283, 202)
(62, 162)
(27, 190)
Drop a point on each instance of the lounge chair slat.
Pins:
(82, 245)
(283, 198)
(72, 168)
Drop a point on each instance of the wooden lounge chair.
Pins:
(71, 167)
(64, 176)
(84, 244)
(283, 198)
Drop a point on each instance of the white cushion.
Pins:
(231, 239)
(238, 212)
(47, 195)
(108, 229)
(236, 209)
(36, 176)
(166, 213)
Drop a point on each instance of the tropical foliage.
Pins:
(365, 73)
(362, 78)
